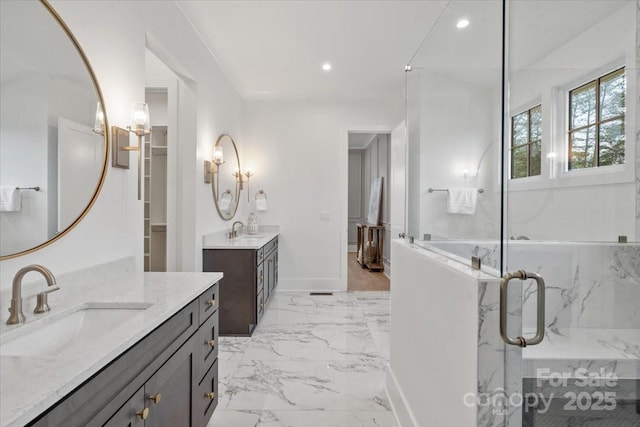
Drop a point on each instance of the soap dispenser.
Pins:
(252, 226)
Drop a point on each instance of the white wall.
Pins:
(457, 133)
(588, 205)
(114, 36)
(299, 152)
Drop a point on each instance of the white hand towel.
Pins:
(462, 201)
(10, 199)
(225, 202)
(261, 204)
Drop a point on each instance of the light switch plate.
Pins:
(324, 216)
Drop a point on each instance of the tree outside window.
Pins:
(597, 122)
(526, 143)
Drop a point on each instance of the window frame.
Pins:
(527, 144)
(596, 82)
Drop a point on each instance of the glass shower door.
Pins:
(572, 213)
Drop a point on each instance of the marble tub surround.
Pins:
(219, 239)
(312, 361)
(31, 384)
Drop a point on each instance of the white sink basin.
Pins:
(68, 332)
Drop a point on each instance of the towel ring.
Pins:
(229, 193)
(261, 193)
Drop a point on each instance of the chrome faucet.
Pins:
(234, 232)
(17, 316)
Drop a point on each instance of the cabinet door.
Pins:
(168, 392)
(131, 414)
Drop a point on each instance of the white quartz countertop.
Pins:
(243, 241)
(31, 384)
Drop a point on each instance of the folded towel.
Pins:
(261, 204)
(462, 200)
(10, 199)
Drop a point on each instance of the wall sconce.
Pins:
(247, 173)
(238, 176)
(98, 126)
(140, 126)
(212, 167)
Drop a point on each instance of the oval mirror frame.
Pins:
(105, 150)
(215, 181)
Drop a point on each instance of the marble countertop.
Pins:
(31, 384)
(244, 241)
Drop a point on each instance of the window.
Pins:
(596, 122)
(526, 141)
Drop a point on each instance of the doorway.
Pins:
(368, 163)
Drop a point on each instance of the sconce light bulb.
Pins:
(218, 155)
(140, 116)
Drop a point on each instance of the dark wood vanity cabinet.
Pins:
(250, 278)
(169, 378)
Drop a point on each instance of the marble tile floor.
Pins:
(313, 361)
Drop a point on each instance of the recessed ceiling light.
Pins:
(326, 66)
(463, 23)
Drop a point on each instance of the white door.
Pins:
(398, 181)
(80, 158)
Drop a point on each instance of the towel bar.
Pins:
(28, 188)
(431, 190)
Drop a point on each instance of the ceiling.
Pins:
(275, 49)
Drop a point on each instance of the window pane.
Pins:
(612, 95)
(519, 162)
(534, 165)
(583, 147)
(612, 140)
(583, 106)
(536, 123)
(520, 129)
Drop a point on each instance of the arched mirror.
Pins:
(226, 183)
(53, 144)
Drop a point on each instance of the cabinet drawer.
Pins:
(260, 256)
(260, 305)
(208, 302)
(259, 278)
(273, 244)
(205, 397)
(206, 346)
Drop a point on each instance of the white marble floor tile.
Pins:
(232, 348)
(255, 418)
(313, 361)
(313, 341)
(273, 385)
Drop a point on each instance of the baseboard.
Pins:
(402, 412)
(311, 285)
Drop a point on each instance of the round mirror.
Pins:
(226, 182)
(53, 144)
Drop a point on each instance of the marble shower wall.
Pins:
(589, 285)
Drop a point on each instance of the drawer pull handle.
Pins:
(155, 398)
(144, 414)
(211, 303)
(211, 395)
(211, 343)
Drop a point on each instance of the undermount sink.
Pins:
(251, 236)
(84, 324)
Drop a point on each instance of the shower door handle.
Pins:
(504, 283)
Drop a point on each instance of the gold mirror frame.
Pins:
(103, 175)
(216, 176)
